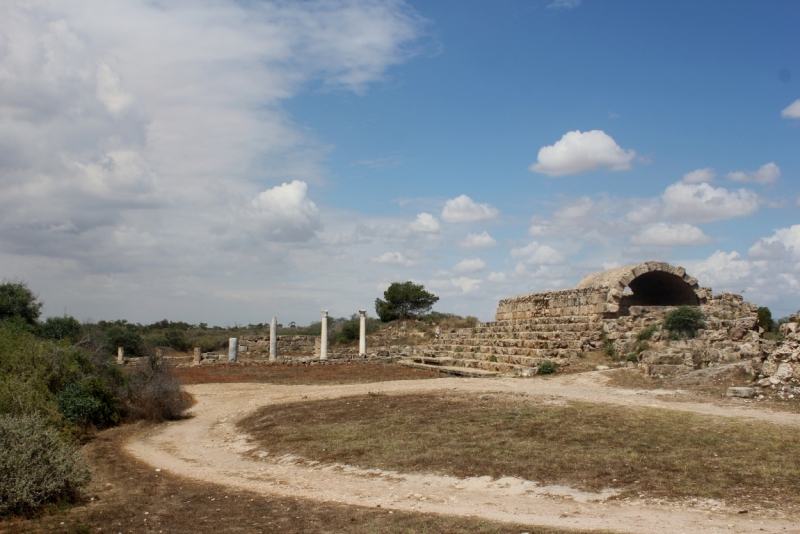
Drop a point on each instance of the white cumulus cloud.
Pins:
(425, 223)
(695, 203)
(467, 285)
(285, 213)
(393, 258)
(792, 111)
(463, 209)
(766, 174)
(482, 240)
(783, 244)
(537, 254)
(578, 152)
(722, 269)
(670, 235)
(110, 92)
(700, 176)
(496, 277)
(470, 266)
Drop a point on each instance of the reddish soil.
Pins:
(287, 374)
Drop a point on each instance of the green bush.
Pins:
(647, 333)
(27, 397)
(492, 358)
(349, 332)
(632, 357)
(177, 341)
(17, 300)
(209, 343)
(37, 465)
(609, 350)
(89, 402)
(684, 321)
(61, 328)
(765, 320)
(128, 339)
(547, 367)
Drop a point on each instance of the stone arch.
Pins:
(651, 284)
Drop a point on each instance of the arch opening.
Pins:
(658, 288)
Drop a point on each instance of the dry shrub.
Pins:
(37, 465)
(154, 392)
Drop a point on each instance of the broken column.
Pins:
(197, 356)
(362, 333)
(273, 340)
(233, 349)
(323, 341)
(120, 355)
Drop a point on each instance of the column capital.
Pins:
(362, 313)
(324, 313)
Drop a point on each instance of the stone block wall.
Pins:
(568, 303)
(729, 321)
(731, 336)
(780, 369)
(258, 345)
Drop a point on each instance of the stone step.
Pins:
(540, 321)
(451, 370)
(543, 351)
(520, 336)
(561, 357)
(490, 344)
(581, 327)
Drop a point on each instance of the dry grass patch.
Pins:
(129, 496)
(655, 452)
(287, 374)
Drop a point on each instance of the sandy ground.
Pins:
(208, 447)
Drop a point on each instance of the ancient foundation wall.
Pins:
(731, 335)
(258, 345)
(570, 302)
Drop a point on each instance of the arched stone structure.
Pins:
(651, 284)
(602, 295)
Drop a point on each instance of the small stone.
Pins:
(745, 392)
(601, 368)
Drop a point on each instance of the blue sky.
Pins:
(225, 162)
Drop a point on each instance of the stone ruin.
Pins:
(608, 310)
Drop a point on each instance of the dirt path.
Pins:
(208, 447)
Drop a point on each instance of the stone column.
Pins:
(362, 333)
(273, 340)
(197, 356)
(323, 340)
(120, 355)
(233, 349)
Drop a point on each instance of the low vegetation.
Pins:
(59, 383)
(547, 367)
(684, 321)
(37, 465)
(647, 333)
(654, 452)
(132, 497)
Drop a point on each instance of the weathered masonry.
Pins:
(610, 294)
(605, 308)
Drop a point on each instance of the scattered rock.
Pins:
(744, 392)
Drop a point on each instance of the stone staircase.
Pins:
(513, 347)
